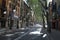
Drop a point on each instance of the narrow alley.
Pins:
(29, 19)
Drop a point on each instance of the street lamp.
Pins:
(4, 12)
(14, 10)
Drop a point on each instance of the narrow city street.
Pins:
(35, 34)
(29, 19)
(32, 33)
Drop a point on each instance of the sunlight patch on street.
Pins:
(38, 25)
(22, 32)
(22, 28)
(38, 31)
(35, 32)
(9, 34)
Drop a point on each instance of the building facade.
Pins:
(11, 9)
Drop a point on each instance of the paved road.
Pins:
(13, 35)
(32, 33)
(38, 33)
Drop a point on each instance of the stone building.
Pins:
(14, 8)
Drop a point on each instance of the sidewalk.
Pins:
(3, 30)
(13, 30)
(12, 34)
(54, 35)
